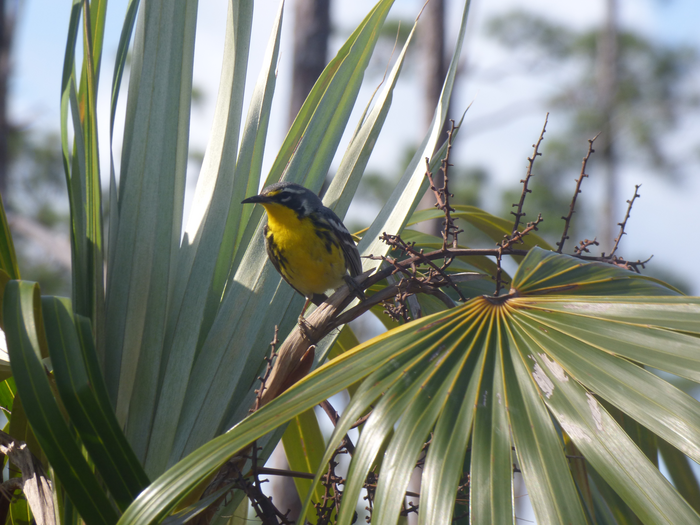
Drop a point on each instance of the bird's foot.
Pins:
(355, 288)
(305, 328)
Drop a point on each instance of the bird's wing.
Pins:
(352, 256)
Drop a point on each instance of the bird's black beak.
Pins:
(255, 199)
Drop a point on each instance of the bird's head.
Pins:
(289, 195)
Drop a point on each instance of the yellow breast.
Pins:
(312, 263)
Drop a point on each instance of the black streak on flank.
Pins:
(278, 257)
(327, 238)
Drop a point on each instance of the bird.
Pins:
(307, 243)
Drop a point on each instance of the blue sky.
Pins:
(677, 20)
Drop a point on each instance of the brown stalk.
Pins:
(582, 175)
(531, 162)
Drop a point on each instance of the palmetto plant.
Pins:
(137, 391)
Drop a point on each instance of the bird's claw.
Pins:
(304, 328)
(355, 288)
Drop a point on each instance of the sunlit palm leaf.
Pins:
(151, 192)
(491, 480)
(511, 375)
(539, 449)
(610, 451)
(218, 193)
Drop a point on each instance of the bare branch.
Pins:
(507, 243)
(531, 162)
(442, 195)
(268, 369)
(582, 175)
(584, 245)
(623, 224)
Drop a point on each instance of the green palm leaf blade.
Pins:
(151, 193)
(225, 370)
(607, 447)
(580, 468)
(646, 440)
(92, 364)
(219, 188)
(92, 304)
(650, 345)
(22, 318)
(19, 512)
(412, 350)
(19, 429)
(120, 64)
(656, 404)
(352, 166)
(237, 410)
(8, 258)
(5, 369)
(344, 342)
(491, 479)
(444, 464)
(671, 313)
(248, 167)
(217, 191)
(7, 394)
(610, 508)
(93, 417)
(446, 360)
(447, 392)
(538, 447)
(545, 272)
(82, 171)
(313, 138)
(395, 401)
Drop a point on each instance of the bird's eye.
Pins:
(285, 198)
